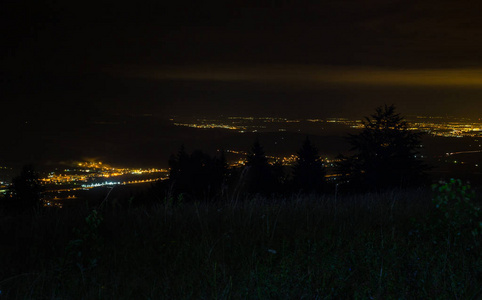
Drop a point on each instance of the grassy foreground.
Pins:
(371, 246)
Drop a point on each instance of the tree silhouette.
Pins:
(308, 171)
(178, 163)
(279, 177)
(219, 171)
(198, 175)
(385, 152)
(260, 177)
(25, 191)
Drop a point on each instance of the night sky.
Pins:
(328, 58)
(65, 63)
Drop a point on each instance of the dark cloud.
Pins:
(363, 33)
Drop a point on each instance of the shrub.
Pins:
(458, 213)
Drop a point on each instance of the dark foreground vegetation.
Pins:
(403, 244)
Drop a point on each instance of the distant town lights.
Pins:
(100, 184)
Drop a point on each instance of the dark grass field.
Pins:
(371, 246)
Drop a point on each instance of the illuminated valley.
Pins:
(72, 179)
(82, 176)
(437, 126)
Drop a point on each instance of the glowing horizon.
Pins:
(312, 75)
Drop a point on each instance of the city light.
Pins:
(90, 175)
(436, 126)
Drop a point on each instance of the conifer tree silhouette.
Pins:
(198, 175)
(308, 171)
(385, 152)
(259, 177)
(26, 189)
